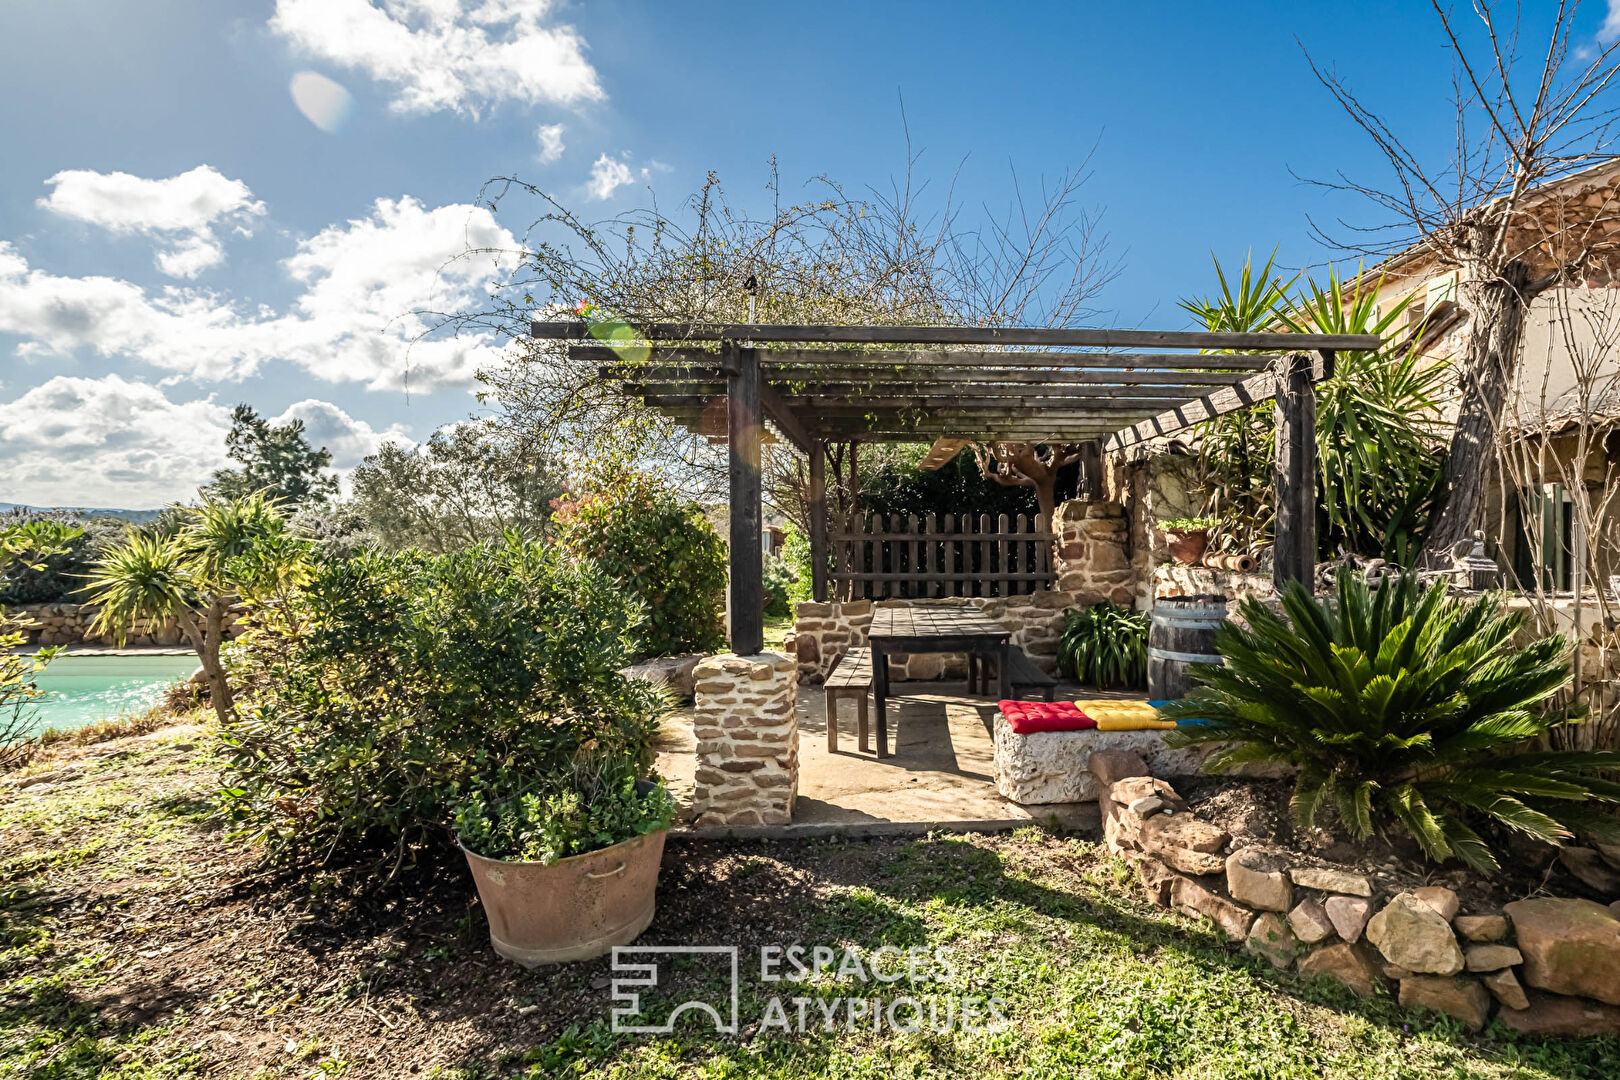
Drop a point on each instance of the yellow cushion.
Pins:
(1124, 715)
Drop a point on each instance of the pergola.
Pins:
(821, 384)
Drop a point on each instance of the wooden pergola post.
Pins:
(744, 430)
(1091, 470)
(818, 520)
(1295, 477)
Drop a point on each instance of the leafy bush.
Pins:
(1105, 645)
(1404, 707)
(18, 692)
(796, 557)
(659, 548)
(780, 583)
(395, 684)
(48, 554)
(1189, 524)
(601, 806)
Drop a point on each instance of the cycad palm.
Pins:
(1401, 705)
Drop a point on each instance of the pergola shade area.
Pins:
(922, 383)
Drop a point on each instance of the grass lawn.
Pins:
(138, 940)
(777, 627)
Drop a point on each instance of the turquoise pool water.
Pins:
(83, 689)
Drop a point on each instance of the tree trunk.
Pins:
(1046, 492)
(1496, 304)
(206, 636)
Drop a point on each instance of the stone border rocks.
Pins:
(1545, 966)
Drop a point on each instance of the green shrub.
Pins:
(395, 684)
(1189, 524)
(796, 557)
(780, 582)
(1401, 707)
(658, 547)
(598, 806)
(49, 554)
(1105, 645)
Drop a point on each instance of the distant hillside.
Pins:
(136, 516)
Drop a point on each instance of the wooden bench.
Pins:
(851, 678)
(1026, 677)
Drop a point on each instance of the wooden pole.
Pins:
(818, 520)
(1091, 470)
(1295, 480)
(747, 515)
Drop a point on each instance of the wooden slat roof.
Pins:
(1020, 384)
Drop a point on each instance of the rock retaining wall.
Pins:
(69, 624)
(747, 730)
(1544, 966)
(1091, 559)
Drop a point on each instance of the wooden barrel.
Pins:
(1183, 633)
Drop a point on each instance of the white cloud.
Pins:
(351, 440)
(180, 213)
(550, 137)
(107, 442)
(119, 443)
(1610, 30)
(441, 55)
(607, 176)
(352, 321)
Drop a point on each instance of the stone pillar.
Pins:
(747, 728)
(1092, 564)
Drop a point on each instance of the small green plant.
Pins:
(602, 806)
(1189, 524)
(1105, 645)
(1402, 707)
(780, 583)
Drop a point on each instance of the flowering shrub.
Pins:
(660, 549)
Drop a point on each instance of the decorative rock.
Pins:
(1348, 914)
(1345, 964)
(1310, 922)
(1148, 806)
(1591, 870)
(1491, 957)
(1330, 880)
(1134, 788)
(1413, 934)
(1252, 881)
(1558, 1016)
(1271, 938)
(1156, 880)
(1504, 985)
(1609, 852)
(1189, 896)
(1042, 767)
(1112, 766)
(1480, 927)
(1198, 863)
(1569, 946)
(1463, 998)
(1182, 831)
(1121, 828)
(1440, 898)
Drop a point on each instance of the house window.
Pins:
(1442, 290)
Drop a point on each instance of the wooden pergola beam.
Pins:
(1250, 391)
(1172, 382)
(928, 359)
(577, 330)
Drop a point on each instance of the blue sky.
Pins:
(176, 235)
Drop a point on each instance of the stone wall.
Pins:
(1545, 966)
(69, 624)
(1179, 579)
(747, 730)
(1091, 560)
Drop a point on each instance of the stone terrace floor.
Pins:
(941, 774)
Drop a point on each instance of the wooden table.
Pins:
(929, 630)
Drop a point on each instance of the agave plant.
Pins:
(1401, 706)
(1105, 645)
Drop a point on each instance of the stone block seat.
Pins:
(1043, 767)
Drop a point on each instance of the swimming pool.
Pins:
(82, 689)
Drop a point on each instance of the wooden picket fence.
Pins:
(957, 555)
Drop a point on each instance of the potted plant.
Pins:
(1188, 538)
(566, 869)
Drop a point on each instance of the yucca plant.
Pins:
(1105, 645)
(225, 549)
(1401, 706)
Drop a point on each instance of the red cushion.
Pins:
(1025, 717)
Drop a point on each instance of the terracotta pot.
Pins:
(1188, 547)
(573, 909)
